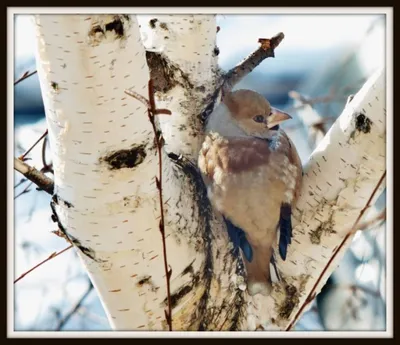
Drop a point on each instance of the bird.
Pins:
(253, 176)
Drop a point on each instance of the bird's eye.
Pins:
(258, 118)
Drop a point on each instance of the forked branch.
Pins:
(312, 292)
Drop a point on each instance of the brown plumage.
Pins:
(253, 175)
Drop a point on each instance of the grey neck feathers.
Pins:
(221, 122)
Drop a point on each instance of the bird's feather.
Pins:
(239, 240)
(285, 227)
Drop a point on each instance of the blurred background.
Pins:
(322, 60)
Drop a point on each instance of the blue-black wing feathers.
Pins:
(238, 237)
(285, 227)
(273, 262)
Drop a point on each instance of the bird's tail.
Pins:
(258, 272)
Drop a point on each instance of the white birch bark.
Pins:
(339, 178)
(105, 161)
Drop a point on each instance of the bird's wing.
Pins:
(285, 218)
(285, 229)
(239, 240)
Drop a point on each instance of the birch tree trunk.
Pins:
(105, 160)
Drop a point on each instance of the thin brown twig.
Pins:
(22, 181)
(52, 256)
(44, 152)
(152, 111)
(367, 224)
(24, 191)
(46, 167)
(26, 75)
(31, 148)
(75, 308)
(312, 292)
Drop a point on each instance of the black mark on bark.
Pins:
(211, 104)
(177, 296)
(117, 25)
(290, 302)
(165, 74)
(363, 123)
(183, 291)
(146, 280)
(54, 86)
(96, 29)
(125, 158)
(188, 269)
(163, 26)
(89, 252)
(153, 22)
(56, 198)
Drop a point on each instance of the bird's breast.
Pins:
(247, 181)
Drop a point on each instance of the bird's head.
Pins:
(253, 113)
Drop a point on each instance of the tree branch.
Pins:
(41, 180)
(266, 50)
(312, 292)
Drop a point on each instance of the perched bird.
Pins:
(253, 175)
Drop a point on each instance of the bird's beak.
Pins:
(277, 117)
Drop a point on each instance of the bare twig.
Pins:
(24, 191)
(354, 288)
(311, 101)
(39, 178)
(75, 308)
(367, 224)
(26, 75)
(266, 50)
(312, 121)
(237, 73)
(22, 157)
(88, 314)
(333, 95)
(52, 256)
(22, 181)
(312, 292)
(46, 167)
(152, 111)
